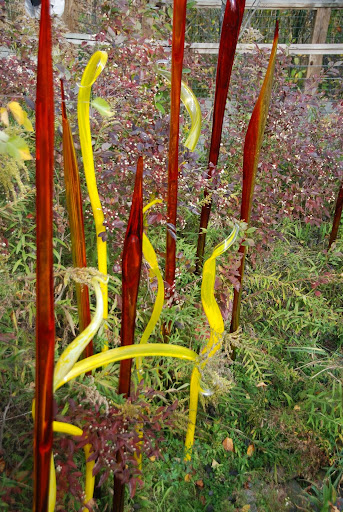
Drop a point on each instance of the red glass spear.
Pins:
(252, 148)
(227, 48)
(337, 216)
(178, 42)
(75, 215)
(45, 325)
(131, 272)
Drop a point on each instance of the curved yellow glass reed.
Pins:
(189, 100)
(152, 203)
(52, 486)
(151, 258)
(193, 410)
(208, 300)
(72, 353)
(213, 314)
(67, 428)
(215, 320)
(147, 350)
(129, 352)
(93, 69)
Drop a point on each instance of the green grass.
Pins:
(282, 394)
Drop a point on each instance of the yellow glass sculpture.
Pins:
(93, 69)
(68, 367)
(189, 100)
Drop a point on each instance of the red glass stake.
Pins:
(75, 215)
(337, 216)
(227, 48)
(45, 325)
(179, 24)
(252, 148)
(131, 272)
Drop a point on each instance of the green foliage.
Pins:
(323, 497)
(102, 106)
(14, 150)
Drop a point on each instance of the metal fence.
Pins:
(295, 27)
(203, 26)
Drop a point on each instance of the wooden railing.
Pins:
(275, 4)
(212, 48)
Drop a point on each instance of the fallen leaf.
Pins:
(188, 477)
(250, 450)
(228, 444)
(214, 464)
(199, 483)
(261, 385)
(246, 508)
(203, 500)
(297, 407)
(152, 458)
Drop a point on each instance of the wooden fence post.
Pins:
(320, 31)
(70, 14)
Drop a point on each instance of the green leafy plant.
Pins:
(14, 149)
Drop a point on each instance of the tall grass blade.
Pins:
(252, 148)
(228, 41)
(75, 215)
(179, 24)
(45, 324)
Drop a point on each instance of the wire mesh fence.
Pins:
(296, 25)
(203, 26)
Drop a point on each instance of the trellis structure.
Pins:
(307, 28)
(310, 31)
